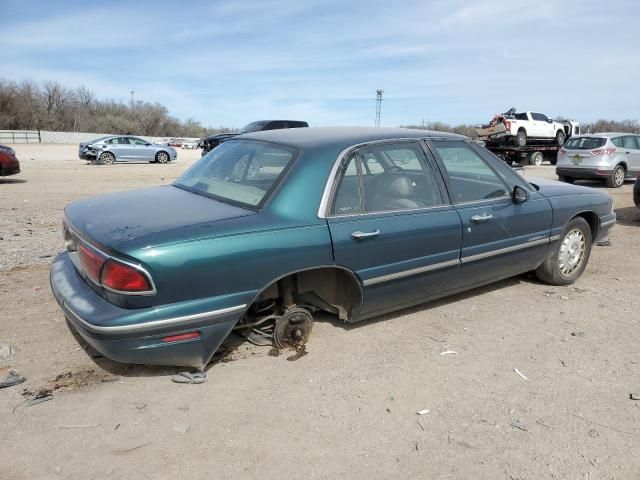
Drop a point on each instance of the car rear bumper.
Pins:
(586, 173)
(7, 170)
(119, 333)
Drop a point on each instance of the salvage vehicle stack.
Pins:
(526, 137)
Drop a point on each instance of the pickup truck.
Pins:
(526, 127)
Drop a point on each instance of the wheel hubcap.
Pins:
(162, 158)
(572, 252)
(619, 176)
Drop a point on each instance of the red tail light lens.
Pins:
(507, 124)
(562, 152)
(124, 278)
(599, 152)
(91, 262)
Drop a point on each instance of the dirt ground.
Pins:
(348, 408)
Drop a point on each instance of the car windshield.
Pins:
(238, 171)
(253, 127)
(584, 143)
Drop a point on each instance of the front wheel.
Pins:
(107, 158)
(162, 157)
(560, 138)
(616, 179)
(569, 256)
(536, 159)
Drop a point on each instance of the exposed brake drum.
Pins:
(293, 328)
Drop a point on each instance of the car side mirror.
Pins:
(550, 120)
(147, 144)
(519, 195)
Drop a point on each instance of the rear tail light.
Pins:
(507, 124)
(599, 152)
(124, 278)
(91, 262)
(562, 152)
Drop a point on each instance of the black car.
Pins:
(636, 192)
(211, 142)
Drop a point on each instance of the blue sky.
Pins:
(232, 62)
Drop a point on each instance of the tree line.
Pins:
(49, 105)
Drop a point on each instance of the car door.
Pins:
(538, 125)
(119, 147)
(141, 150)
(500, 238)
(631, 149)
(392, 224)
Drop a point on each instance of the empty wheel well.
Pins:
(592, 220)
(331, 289)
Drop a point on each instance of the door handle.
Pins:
(364, 235)
(485, 217)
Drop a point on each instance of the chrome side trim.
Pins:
(607, 223)
(413, 271)
(140, 327)
(554, 238)
(500, 251)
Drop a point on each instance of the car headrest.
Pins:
(395, 185)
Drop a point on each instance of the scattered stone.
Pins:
(181, 428)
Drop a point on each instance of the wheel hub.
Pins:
(293, 328)
(571, 252)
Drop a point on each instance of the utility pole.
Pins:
(132, 92)
(379, 93)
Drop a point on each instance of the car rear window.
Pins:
(242, 172)
(584, 143)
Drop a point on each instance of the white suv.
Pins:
(613, 157)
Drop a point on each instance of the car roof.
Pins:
(603, 134)
(341, 137)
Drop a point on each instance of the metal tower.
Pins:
(379, 93)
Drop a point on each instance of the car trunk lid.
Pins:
(107, 220)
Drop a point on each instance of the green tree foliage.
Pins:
(51, 106)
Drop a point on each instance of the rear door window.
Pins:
(386, 178)
(629, 142)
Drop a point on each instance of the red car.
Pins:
(9, 164)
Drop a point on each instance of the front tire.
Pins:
(616, 179)
(569, 256)
(521, 138)
(162, 157)
(536, 159)
(107, 158)
(560, 138)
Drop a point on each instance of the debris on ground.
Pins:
(5, 353)
(10, 378)
(38, 399)
(122, 451)
(181, 427)
(423, 412)
(192, 378)
(520, 373)
(604, 243)
(449, 352)
(634, 396)
(519, 425)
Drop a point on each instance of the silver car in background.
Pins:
(125, 148)
(613, 157)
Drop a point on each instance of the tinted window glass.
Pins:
(629, 142)
(470, 177)
(112, 141)
(585, 143)
(386, 178)
(539, 116)
(253, 127)
(520, 116)
(240, 171)
(136, 141)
